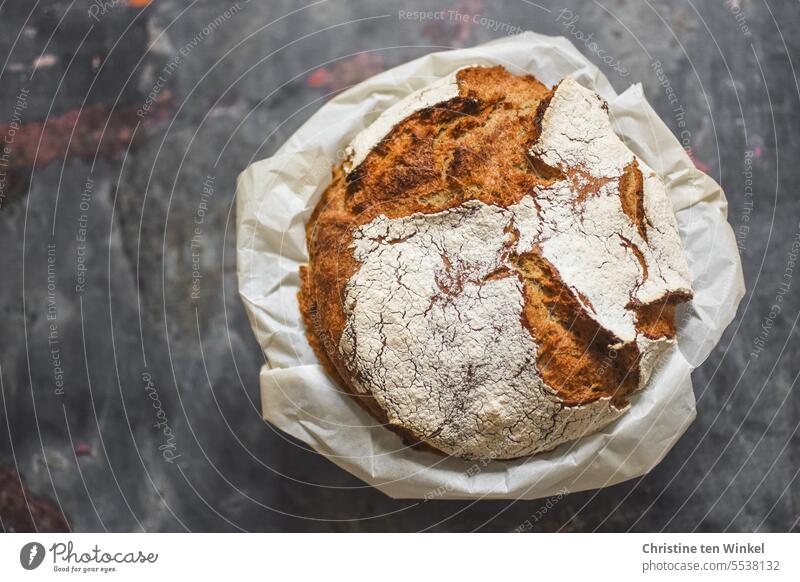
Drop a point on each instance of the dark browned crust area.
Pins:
(656, 320)
(475, 147)
(631, 194)
(579, 362)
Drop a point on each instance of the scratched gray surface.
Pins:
(238, 94)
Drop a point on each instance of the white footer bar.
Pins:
(400, 557)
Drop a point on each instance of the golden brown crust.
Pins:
(631, 193)
(475, 147)
(575, 356)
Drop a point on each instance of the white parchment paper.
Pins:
(276, 196)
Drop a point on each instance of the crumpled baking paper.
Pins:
(276, 196)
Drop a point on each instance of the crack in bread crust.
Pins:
(497, 273)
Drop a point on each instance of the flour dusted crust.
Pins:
(493, 272)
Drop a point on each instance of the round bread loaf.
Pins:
(492, 271)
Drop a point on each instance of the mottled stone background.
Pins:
(76, 362)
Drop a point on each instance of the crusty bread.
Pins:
(492, 271)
